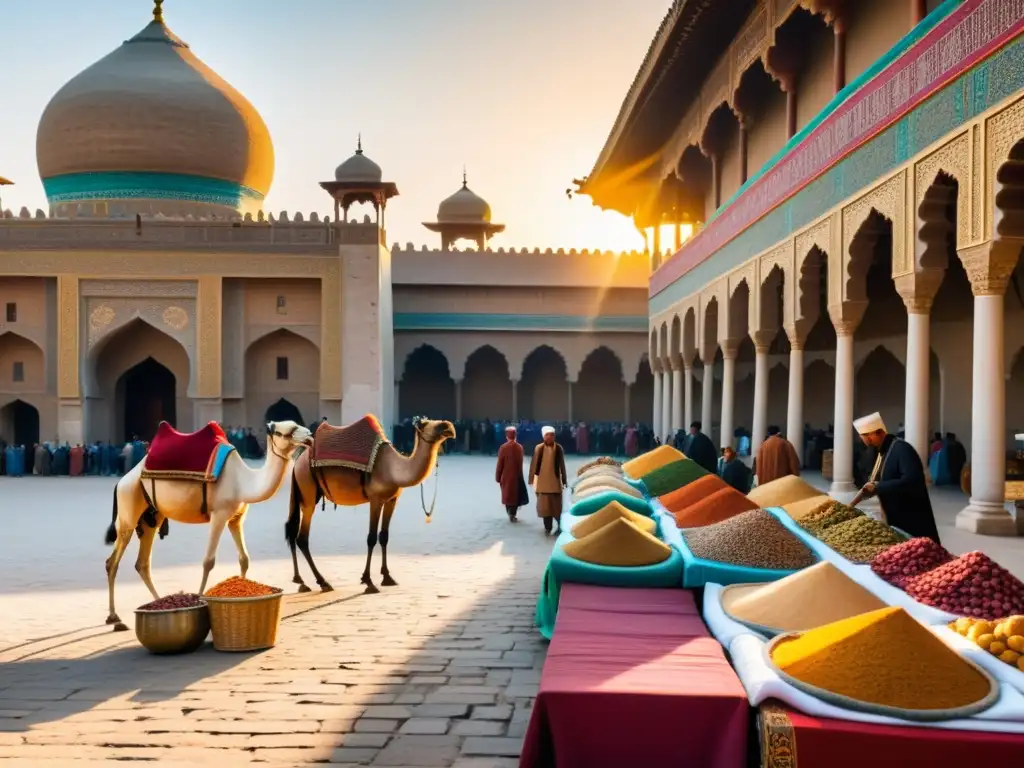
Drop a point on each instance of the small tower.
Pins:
(358, 180)
(3, 183)
(464, 215)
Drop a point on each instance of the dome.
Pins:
(358, 168)
(464, 207)
(151, 122)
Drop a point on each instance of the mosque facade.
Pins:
(854, 174)
(155, 286)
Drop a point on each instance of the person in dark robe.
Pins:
(776, 457)
(735, 472)
(956, 456)
(700, 448)
(897, 480)
(547, 470)
(41, 466)
(508, 474)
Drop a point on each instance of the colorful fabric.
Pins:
(354, 446)
(199, 455)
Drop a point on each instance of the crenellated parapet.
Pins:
(410, 249)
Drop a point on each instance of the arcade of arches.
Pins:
(803, 336)
(546, 389)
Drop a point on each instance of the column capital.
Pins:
(797, 334)
(677, 364)
(918, 289)
(730, 348)
(989, 265)
(762, 340)
(847, 316)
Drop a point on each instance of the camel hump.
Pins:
(354, 446)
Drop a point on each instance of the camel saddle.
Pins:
(354, 446)
(200, 455)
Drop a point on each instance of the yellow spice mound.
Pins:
(652, 460)
(882, 657)
(809, 598)
(620, 543)
(609, 514)
(607, 484)
(798, 510)
(779, 493)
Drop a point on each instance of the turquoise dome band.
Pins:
(80, 187)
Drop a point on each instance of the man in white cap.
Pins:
(548, 470)
(897, 480)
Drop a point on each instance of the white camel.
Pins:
(228, 500)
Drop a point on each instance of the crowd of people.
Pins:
(99, 458)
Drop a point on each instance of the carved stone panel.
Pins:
(1002, 131)
(954, 159)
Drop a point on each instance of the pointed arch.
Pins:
(544, 386)
(281, 365)
(641, 394)
(22, 364)
(487, 386)
(1008, 195)
(283, 410)
(426, 387)
(598, 393)
(19, 423)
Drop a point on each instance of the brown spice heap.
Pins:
(753, 539)
(859, 540)
(236, 586)
(826, 516)
(882, 657)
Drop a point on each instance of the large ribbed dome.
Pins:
(151, 122)
(464, 207)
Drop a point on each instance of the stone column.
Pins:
(918, 10)
(398, 411)
(687, 396)
(656, 416)
(458, 400)
(989, 267)
(666, 401)
(70, 428)
(207, 404)
(569, 388)
(762, 341)
(707, 395)
(845, 323)
(677, 396)
(729, 351)
(515, 400)
(918, 292)
(744, 133)
(795, 397)
(838, 55)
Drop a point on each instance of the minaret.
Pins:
(464, 215)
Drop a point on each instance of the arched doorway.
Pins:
(486, 387)
(19, 423)
(146, 393)
(641, 394)
(879, 385)
(426, 388)
(283, 410)
(281, 367)
(598, 395)
(544, 387)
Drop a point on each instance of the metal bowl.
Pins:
(177, 630)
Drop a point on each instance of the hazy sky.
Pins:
(523, 92)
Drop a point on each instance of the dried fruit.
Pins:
(971, 585)
(900, 563)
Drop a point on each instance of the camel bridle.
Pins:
(273, 446)
(437, 465)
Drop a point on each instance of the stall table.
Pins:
(633, 678)
(791, 739)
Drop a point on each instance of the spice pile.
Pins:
(672, 476)
(782, 491)
(970, 585)
(173, 602)
(721, 505)
(826, 516)
(236, 586)
(1003, 639)
(753, 539)
(809, 598)
(859, 540)
(604, 462)
(898, 564)
(882, 657)
(603, 483)
(798, 510)
(620, 544)
(691, 493)
(609, 514)
(652, 460)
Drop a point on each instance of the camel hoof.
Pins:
(303, 588)
(298, 580)
(120, 627)
(113, 619)
(387, 581)
(371, 589)
(325, 587)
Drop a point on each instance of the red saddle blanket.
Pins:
(354, 446)
(194, 456)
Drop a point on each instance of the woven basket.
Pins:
(245, 623)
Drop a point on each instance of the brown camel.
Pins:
(348, 487)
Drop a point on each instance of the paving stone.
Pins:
(425, 726)
(496, 712)
(492, 746)
(440, 710)
(375, 726)
(387, 712)
(486, 762)
(444, 697)
(479, 728)
(420, 751)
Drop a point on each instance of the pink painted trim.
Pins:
(788, 177)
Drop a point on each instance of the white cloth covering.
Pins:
(547, 431)
(868, 424)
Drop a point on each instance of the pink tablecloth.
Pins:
(633, 678)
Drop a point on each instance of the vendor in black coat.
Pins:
(897, 480)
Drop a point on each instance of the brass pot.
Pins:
(177, 630)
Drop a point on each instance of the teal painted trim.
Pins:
(988, 83)
(904, 44)
(76, 187)
(464, 321)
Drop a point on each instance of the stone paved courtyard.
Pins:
(438, 671)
